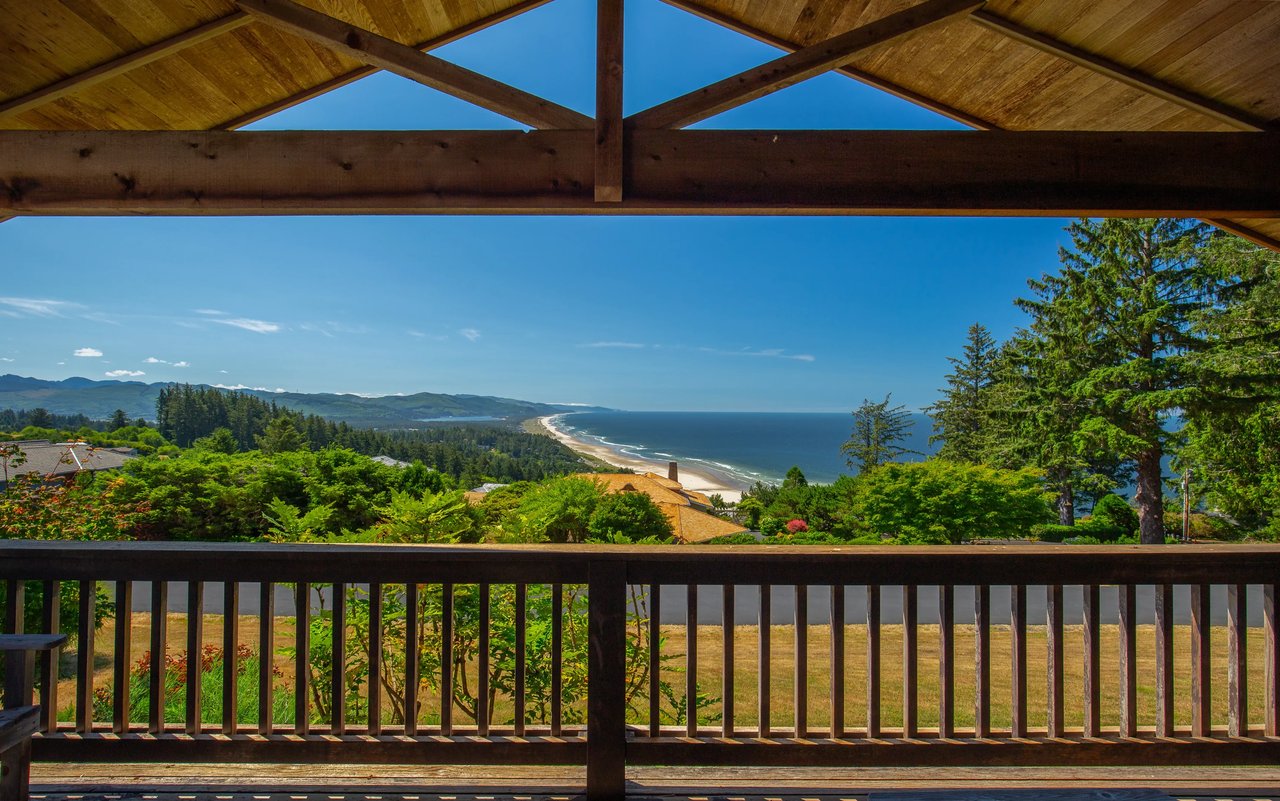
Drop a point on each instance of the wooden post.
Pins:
(726, 661)
(1092, 661)
(609, 144)
(122, 658)
(691, 660)
(159, 648)
(230, 646)
(1237, 660)
(655, 660)
(765, 631)
(51, 614)
(1201, 659)
(982, 658)
(374, 690)
(1164, 660)
(266, 655)
(1053, 615)
(301, 658)
(411, 659)
(946, 660)
(86, 626)
(606, 681)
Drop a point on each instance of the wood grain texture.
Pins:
(1128, 610)
(609, 160)
(159, 651)
(1092, 610)
(711, 172)
(1237, 660)
(195, 647)
(1201, 662)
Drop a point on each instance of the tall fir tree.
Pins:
(878, 433)
(961, 415)
(1118, 315)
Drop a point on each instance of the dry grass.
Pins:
(782, 689)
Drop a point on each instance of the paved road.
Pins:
(746, 606)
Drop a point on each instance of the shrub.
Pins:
(796, 526)
(771, 526)
(1115, 511)
(1052, 532)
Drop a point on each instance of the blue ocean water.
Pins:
(743, 446)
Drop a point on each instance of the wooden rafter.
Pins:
(415, 65)
(608, 155)
(1245, 232)
(795, 67)
(363, 72)
(876, 81)
(1037, 173)
(123, 64)
(1127, 75)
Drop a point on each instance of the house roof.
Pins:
(692, 525)
(66, 458)
(688, 522)
(1110, 65)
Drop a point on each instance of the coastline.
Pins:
(698, 479)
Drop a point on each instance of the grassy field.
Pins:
(710, 653)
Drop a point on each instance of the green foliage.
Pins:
(1098, 530)
(878, 431)
(286, 523)
(558, 510)
(1114, 511)
(937, 501)
(220, 441)
(771, 526)
(794, 478)
(961, 417)
(428, 518)
(629, 516)
(280, 437)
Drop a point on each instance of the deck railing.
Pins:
(804, 674)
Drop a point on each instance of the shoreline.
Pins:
(699, 479)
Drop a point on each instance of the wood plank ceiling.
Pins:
(231, 69)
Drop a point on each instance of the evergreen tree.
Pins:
(118, 420)
(281, 437)
(1120, 310)
(878, 431)
(960, 416)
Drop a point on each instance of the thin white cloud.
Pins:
(471, 334)
(224, 372)
(763, 353)
(417, 334)
(236, 387)
(153, 360)
(256, 326)
(5, 359)
(37, 307)
(182, 364)
(124, 373)
(87, 353)
(625, 345)
(213, 312)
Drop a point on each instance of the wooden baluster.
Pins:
(15, 607)
(375, 659)
(446, 660)
(51, 618)
(122, 660)
(606, 679)
(946, 660)
(1164, 660)
(873, 660)
(655, 659)
(159, 652)
(837, 661)
(1018, 645)
(1092, 661)
(910, 661)
(1053, 619)
(195, 647)
(1271, 624)
(557, 657)
(230, 643)
(301, 658)
(412, 663)
(266, 656)
(1201, 662)
(1237, 660)
(338, 673)
(482, 681)
(521, 604)
(982, 658)
(86, 626)
(726, 667)
(1128, 661)
(765, 656)
(802, 661)
(691, 660)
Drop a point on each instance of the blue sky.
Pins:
(751, 314)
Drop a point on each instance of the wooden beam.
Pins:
(1037, 173)
(608, 165)
(415, 65)
(118, 66)
(363, 72)
(1127, 75)
(795, 67)
(1245, 232)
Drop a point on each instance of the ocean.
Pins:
(745, 447)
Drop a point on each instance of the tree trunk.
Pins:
(1150, 497)
(1066, 503)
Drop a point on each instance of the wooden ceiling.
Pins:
(1018, 65)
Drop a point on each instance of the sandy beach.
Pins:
(696, 479)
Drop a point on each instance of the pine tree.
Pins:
(960, 416)
(878, 431)
(1118, 317)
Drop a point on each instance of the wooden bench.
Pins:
(19, 719)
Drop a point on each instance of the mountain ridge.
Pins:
(99, 399)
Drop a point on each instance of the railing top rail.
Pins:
(741, 564)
